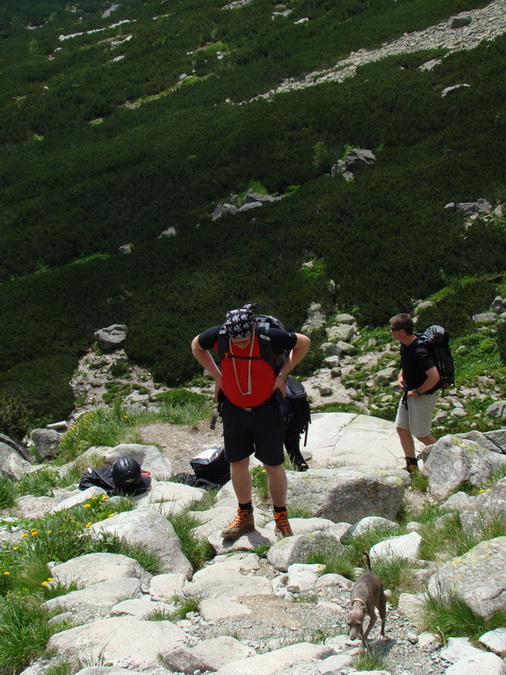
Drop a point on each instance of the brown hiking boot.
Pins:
(282, 526)
(242, 523)
(411, 465)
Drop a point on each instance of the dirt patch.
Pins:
(180, 443)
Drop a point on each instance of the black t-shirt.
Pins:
(280, 339)
(416, 360)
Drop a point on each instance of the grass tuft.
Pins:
(452, 617)
(7, 492)
(370, 660)
(336, 561)
(197, 551)
(24, 632)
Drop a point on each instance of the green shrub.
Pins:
(101, 426)
(455, 305)
(13, 417)
(181, 397)
(24, 632)
(38, 483)
(7, 491)
(501, 341)
(48, 397)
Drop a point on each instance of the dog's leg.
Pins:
(371, 624)
(382, 608)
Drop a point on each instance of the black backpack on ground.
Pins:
(264, 323)
(298, 415)
(211, 466)
(437, 338)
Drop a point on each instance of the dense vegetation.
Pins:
(98, 152)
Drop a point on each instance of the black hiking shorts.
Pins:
(257, 431)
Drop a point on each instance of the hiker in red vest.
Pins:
(248, 386)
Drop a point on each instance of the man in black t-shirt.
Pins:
(418, 377)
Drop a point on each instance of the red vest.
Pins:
(262, 376)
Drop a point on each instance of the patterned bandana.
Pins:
(239, 322)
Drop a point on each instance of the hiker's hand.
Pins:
(280, 383)
(217, 386)
(413, 393)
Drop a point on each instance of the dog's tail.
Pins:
(367, 560)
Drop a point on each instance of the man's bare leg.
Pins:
(407, 441)
(241, 480)
(277, 484)
(427, 440)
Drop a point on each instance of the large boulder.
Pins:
(228, 579)
(12, 463)
(119, 642)
(359, 158)
(272, 662)
(495, 441)
(484, 508)
(93, 568)
(171, 498)
(478, 577)
(95, 601)
(208, 655)
(112, 337)
(46, 442)
(16, 447)
(296, 549)
(348, 439)
(348, 494)
(404, 547)
(150, 530)
(454, 460)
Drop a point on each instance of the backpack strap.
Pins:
(262, 331)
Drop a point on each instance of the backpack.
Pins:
(264, 323)
(211, 466)
(437, 338)
(298, 415)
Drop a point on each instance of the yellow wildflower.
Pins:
(6, 574)
(44, 583)
(25, 534)
(87, 506)
(15, 548)
(88, 524)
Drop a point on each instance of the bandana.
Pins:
(239, 322)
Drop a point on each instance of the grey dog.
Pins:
(367, 594)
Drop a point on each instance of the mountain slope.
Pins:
(100, 151)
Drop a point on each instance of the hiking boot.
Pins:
(411, 465)
(282, 526)
(242, 523)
